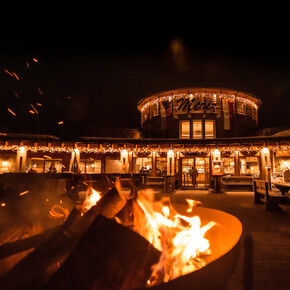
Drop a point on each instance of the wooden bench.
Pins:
(238, 182)
(264, 194)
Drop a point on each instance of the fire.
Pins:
(92, 197)
(179, 238)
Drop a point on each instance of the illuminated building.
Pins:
(183, 129)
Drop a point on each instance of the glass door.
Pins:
(201, 165)
(187, 164)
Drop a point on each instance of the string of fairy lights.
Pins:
(143, 150)
(169, 98)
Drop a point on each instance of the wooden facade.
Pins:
(247, 156)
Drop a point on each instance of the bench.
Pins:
(264, 194)
(238, 182)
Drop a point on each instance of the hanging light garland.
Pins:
(145, 150)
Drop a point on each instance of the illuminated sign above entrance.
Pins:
(186, 101)
(195, 105)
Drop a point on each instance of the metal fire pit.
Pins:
(224, 239)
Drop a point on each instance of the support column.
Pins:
(179, 169)
(217, 171)
(130, 161)
(21, 157)
(75, 160)
(237, 164)
(103, 164)
(125, 161)
(265, 164)
(170, 162)
(272, 160)
(154, 163)
(210, 169)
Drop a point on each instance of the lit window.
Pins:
(142, 165)
(249, 166)
(197, 129)
(209, 129)
(184, 130)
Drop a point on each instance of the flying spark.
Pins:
(16, 76)
(23, 193)
(11, 112)
(8, 72)
(34, 109)
(40, 91)
(17, 96)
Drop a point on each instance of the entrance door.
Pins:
(187, 164)
(202, 166)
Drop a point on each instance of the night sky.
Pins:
(91, 72)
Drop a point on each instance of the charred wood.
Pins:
(109, 256)
(131, 215)
(36, 268)
(25, 244)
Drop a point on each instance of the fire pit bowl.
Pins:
(224, 239)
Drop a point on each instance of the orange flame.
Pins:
(180, 238)
(92, 198)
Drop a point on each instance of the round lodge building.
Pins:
(209, 130)
(198, 113)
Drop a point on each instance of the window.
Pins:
(200, 129)
(40, 165)
(249, 166)
(142, 165)
(7, 162)
(90, 166)
(161, 165)
(197, 129)
(184, 130)
(209, 129)
(113, 164)
(229, 165)
(282, 164)
(53, 165)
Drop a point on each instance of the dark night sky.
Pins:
(93, 71)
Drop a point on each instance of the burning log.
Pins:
(20, 245)
(131, 215)
(12, 236)
(36, 268)
(110, 204)
(109, 256)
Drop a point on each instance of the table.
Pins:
(283, 187)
